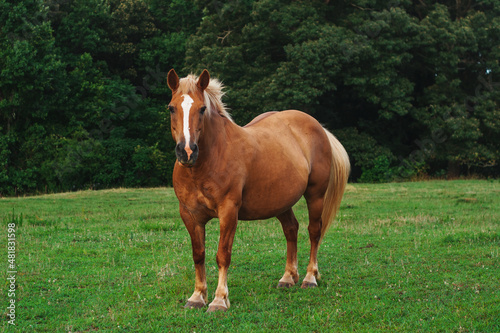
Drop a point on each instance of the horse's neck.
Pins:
(218, 132)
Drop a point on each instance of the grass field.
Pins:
(408, 257)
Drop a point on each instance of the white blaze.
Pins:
(186, 107)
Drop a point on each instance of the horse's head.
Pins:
(187, 110)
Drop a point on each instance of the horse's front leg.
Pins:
(228, 217)
(196, 229)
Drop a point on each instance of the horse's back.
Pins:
(290, 130)
(277, 122)
(260, 117)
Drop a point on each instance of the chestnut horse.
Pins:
(247, 173)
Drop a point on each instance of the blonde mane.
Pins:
(212, 94)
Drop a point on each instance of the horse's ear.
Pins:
(203, 80)
(173, 80)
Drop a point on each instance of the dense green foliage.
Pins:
(82, 91)
(401, 257)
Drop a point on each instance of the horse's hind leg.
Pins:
(290, 228)
(315, 207)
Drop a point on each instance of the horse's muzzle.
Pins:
(187, 156)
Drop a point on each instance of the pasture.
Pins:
(408, 257)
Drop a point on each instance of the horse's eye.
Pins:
(171, 108)
(202, 110)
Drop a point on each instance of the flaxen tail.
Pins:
(339, 173)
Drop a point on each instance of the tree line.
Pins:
(410, 88)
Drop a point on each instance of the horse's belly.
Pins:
(263, 199)
(266, 207)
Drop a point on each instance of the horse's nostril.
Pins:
(186, 154)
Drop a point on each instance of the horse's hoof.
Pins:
(306, 285)
(284, 285)
(194, 305)
(217, 308)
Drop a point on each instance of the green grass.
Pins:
(409, 257)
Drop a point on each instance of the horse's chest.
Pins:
(199, 197)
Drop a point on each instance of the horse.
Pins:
(253, 172)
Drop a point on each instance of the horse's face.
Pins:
(187, 110)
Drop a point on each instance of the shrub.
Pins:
(380, 172)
